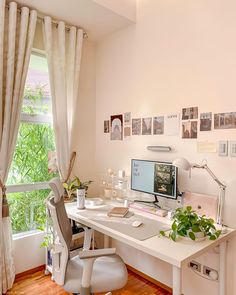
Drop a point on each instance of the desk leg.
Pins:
(106, 241)
(222, 276)
(177, 286)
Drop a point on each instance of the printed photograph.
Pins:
(164, 179)
(146, 126)
(158, 125)
(189, 129)
(106, 126)
(225, 120)
(190, 113)
(117, 127)
(205, 121)
(136, 126)
(127, 132)
(127, 118)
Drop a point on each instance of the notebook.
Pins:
(118, 212)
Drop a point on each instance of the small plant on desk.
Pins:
(188, 224)
(75, 184)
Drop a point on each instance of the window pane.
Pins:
(27, 210)
(37, 98)
(30, 161)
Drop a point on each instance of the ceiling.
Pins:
(96, 19)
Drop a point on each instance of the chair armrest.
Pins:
(96, 253)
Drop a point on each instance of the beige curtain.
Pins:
(16, 39)
(64, 51)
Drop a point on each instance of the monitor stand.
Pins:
(150, 203)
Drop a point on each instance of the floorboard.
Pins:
(39, 284)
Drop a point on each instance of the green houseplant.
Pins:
(187, 223)
(75, 184)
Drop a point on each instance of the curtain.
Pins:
(16, 39)
(63, 49)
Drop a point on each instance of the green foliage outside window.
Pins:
(30, 165)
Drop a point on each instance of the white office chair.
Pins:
(89, 272)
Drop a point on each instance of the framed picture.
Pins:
(146, 126)
(136, 126)
(117, 127)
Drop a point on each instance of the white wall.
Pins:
(179, 54)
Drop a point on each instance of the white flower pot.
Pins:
(81, 198)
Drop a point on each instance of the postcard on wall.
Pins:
(172, 124)
(158, 125)
(205, 121)
(127, 132)
(189, 129)
(136, 126)
(206, 147)
(225, 120)
(106, 126)
(117, 127)
(190, 113)
(127, 118)
(146, 126)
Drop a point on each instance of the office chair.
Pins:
(91, 270)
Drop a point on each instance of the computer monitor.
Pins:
(154, 177)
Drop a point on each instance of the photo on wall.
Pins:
(225, 120)
(189, 129)
(205, 121)
(136, 126)
(106, 126)
(190, 113)
(127, 132)
(146, 126)
(158, 125)
(127, 118)
(117, 127)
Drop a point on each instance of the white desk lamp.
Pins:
(184, 164)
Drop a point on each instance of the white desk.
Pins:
(174, 253)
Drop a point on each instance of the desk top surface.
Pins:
(175, 253)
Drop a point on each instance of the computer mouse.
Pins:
(137, 223)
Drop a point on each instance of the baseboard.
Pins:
(30, 271)
(150, 279)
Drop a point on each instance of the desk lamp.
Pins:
(184, 164)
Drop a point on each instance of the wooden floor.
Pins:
(39, 284)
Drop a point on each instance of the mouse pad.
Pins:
(148, 229)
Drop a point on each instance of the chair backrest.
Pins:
(62, 229)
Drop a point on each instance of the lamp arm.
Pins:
(205, 166)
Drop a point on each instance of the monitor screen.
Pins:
(152, 177)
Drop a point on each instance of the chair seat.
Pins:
(109, 273)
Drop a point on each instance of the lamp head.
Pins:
(182, 163)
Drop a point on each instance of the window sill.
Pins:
(27, 234)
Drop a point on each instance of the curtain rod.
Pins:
(41, 16)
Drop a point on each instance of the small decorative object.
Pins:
(187, 224)
(223, 148)
(76, 185)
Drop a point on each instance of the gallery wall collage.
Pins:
(123, 126)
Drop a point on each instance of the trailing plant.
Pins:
(74, 184)
(187, 223)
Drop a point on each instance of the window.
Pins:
(27, 184)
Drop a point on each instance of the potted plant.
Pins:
(188, 224)
(76, 185)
